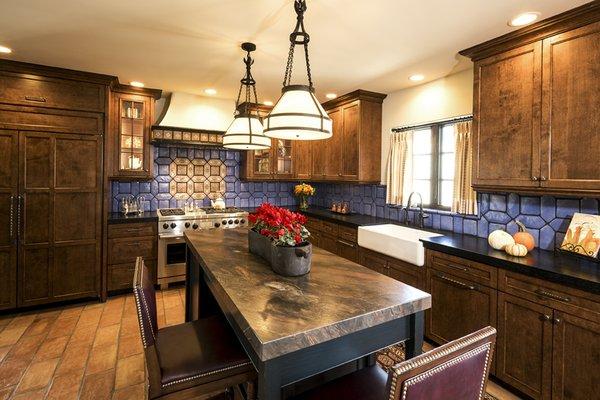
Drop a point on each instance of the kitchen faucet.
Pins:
(419, 219)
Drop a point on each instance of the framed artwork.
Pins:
(583, 235)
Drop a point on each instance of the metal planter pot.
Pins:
(284, 260)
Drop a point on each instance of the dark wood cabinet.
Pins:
(274, 163)
(524, 345)
(126, 242)
(330, 168)
(372, 260)
(533, 92)
(459, 306)
(392, 267)
(303, 157)
(9, 170)
(576, 355)
(131, 121)
(571, 82)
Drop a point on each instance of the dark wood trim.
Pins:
(568, 20)
(359, 94)
(56, 72)
(117, 87)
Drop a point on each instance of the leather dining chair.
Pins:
(457, 370)
(198, 358)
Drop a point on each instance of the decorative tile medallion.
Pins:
(197, 178)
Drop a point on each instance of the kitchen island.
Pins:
(294, 328)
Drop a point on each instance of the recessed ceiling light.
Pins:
(210, 91)
(331, 95)
(524, 18)
(416, 77)
(268, 103)
(5, 50)
(136, 83)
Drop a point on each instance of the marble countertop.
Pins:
(280, 315)
(556, 267)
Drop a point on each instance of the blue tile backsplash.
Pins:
(546, 217)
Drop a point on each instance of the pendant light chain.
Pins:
(247, 82)
(298, 37)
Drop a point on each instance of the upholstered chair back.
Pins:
(456, 370)
(145, 302)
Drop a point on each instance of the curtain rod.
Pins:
(426, 124)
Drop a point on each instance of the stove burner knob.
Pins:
(224, 222)
(230, 222)
(173, 225)
(187, 224)
(242, 221)
(165, 226)
(195, 226)
(237, 221)
(217, 224)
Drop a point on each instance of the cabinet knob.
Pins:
(545, 317)
(556, 321)
(534, 178)
(542, 178)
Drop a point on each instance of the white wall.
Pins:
(443, 98)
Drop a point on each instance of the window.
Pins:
(433, 164)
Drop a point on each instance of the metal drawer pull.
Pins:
(457, 283)
(552, 296)
(545, 317)
(458, 267)
(36, 99)
(346, 243)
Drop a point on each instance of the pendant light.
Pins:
(246, 130)
(298, 115)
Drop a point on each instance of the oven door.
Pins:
(171, 259)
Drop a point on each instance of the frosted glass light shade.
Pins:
(298, 115)
(246, 133)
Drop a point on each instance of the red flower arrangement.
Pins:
(282, 226)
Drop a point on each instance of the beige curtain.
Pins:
(399, 168)
(464, 198)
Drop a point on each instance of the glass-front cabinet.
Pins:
(133, 112)
(273, 163)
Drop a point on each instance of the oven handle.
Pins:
(171, 237)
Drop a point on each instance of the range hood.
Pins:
(191, 119)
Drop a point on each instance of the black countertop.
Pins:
(352, 220)
(556, 267)
(118, 218)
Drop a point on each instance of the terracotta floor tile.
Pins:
(107, 336)
(101, 359)
(65, 387)
(63, 327)
(22, 320)
(11, 372)
(130, 371)
(4, 351)
(39, 326)
(129, 345)
(73, 360)
(38, 375)
(11, 335)
(136, 392)
(71, 311)
(84, 335)
(35, 395)
(6, 392)
(111, 317)
(129, 326)
(89, 317)
(98, 386)
(51, 348)
(26, 347)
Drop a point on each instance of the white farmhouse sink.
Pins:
(395, 241)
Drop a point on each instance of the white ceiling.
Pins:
(189, 45)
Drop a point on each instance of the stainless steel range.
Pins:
(173, 222)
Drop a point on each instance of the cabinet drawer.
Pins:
(348, 234)
(329, 243)
(480, 273)
(127, 250)
(407, 273)
(348, 250)
(40, 91)
(550, 294)
(120, 276)
(313, 224)
(372, 260)
(329, 228)
(129, 230)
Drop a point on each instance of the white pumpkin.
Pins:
(499, 239)
(517, 250)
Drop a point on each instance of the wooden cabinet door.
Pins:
(350, 141)
(333, 146)
(570, 118)
(302, 159)
(61, 189)
(507, 100)
(348, 250)
(329, 243)
(459, 307)
(372, 260)
(524, 345)
(404, 272)
(576, 358)
(9, 163)
(283, 158)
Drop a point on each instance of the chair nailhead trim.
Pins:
(205, 374)
(139, 293)
(406, 366)
(139, 313)
(419, 378)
